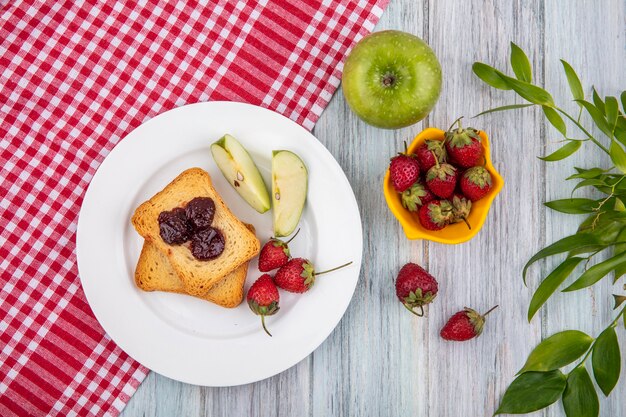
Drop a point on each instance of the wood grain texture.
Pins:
(380, 360)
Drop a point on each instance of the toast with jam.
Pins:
(191, 226)
(155, 273)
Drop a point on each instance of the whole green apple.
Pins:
(391, 79)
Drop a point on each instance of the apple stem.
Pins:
(331, 270)
(455, 122)
(388, 80)
(292, 237)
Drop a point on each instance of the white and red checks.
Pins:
(75, 77)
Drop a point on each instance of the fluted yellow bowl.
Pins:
(454, 233)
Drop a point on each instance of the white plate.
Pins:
(185, 338)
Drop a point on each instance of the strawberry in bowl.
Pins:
(449, 199)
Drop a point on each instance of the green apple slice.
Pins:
(289, 188)
(241, 172)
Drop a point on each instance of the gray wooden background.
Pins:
(380, 360)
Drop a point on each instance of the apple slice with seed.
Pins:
(241, 172)
(289, 189)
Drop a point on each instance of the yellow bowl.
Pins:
(454, 233)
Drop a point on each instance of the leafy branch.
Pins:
(541, 381)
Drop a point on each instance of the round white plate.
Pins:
(185, 338)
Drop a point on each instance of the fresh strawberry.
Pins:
(435, 215)
(464, 146)
(404, 170)
(441, 179)
(298, 275)
(464, 325)
(415, 287)
(476, 183)
(274, 254)
(416, 196)
(263, 298)
(461, 208)
(430, 152)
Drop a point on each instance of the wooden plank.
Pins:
(591, 39)
(369, 365)
(468, 378)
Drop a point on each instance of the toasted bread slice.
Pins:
(155, 273)
(197, 276)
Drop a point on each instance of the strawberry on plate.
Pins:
(298, 275)
(263, 298)
(274, 254)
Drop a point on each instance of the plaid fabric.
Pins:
(76, 77)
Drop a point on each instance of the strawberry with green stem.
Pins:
(404, 171)
(463, 146)
(461, 208)
(416, 196)
(275, 253)
(430, 152)
(476, 183)
(435, 215)
(263, 298)
(415, 288)
(464, 325)
(441, 179)
(298, 275)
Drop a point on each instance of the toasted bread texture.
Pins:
(155, 273)
(197, 277)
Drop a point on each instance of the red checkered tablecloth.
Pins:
(76, 77)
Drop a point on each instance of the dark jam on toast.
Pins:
(193, 223)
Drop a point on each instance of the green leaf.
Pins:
(555, 119)
(587, 173)
(612, 111)
(623, 100)
(597, 101)
(597, 272)
(490, 76)
(618, 156)
(606, 360)
(530, 92)
(563, 152)
(532, 391)
(573, 205)
(580, 398)
(597, 116)
(620, 134)
(577, 241)
(550, 284)
(595, 182)
(619, 205)
(520, 64)
(558, 350)
(574, 82)
(502, 108)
